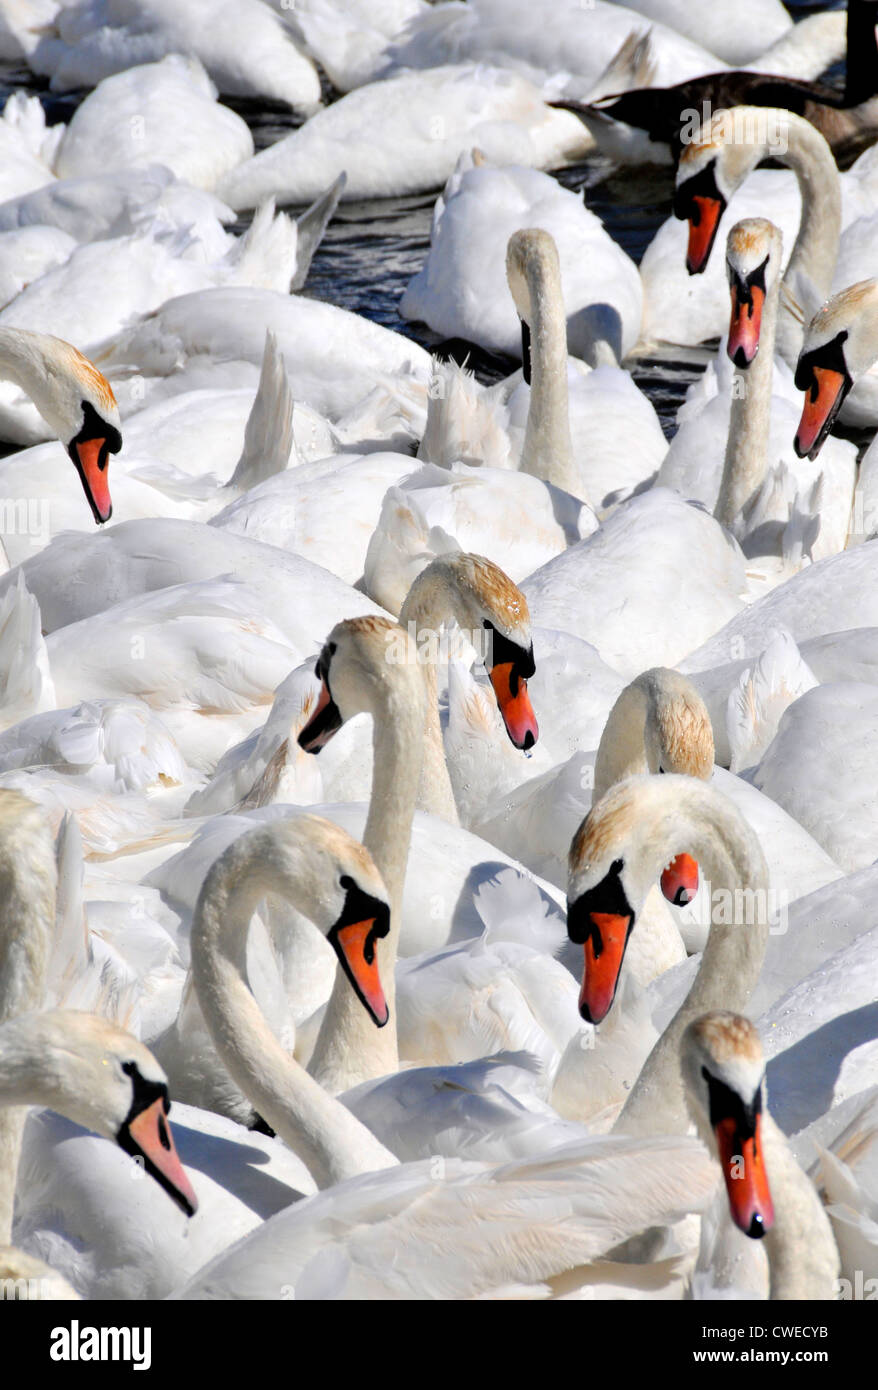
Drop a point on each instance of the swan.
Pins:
(688, 552)
(593, 435)
(100, 1077)
(492, 614)
(300, 859)
(459, 290)
(658, 724)
(250, 53)
(405, 134)
(349, 38)
(830, 597)
(75, 400)
(216, 337)
(839, 346)
(812, 770)
(619, 851)
(769, 1196)
(548, 38)
(743, 481)
(457, 1229)
(157, 113)
(109, 203)
(83, 1066)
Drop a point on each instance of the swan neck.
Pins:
(802, 1254)
(746, 457)
(328, 1139)
(429, 605)
(27, 892)
(621, 749)
(547, 451)
(349, 1048)
(816, 246)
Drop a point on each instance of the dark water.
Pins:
(372, 249)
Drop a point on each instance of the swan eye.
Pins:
(661, 769)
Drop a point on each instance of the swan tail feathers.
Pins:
(268, 434)
(26, 685)
(311, 227)
(778, 677)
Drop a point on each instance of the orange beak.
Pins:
(745, 326)
(91, 457)
(702, 233)
(149, 1137)
(604, 951)
(679, 882)
(355, 948)
(745, 1178)
(822, 402)
(324, 722)
(516, 709)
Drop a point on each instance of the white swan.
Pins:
(617, 854)
(250, 53)
(75, 400)
(839, 346)
(591, 433)
(334, 358)
(302, 860)
(159, 113)
(405, 135)
(769, 1196)
(644, 556)
(100, 1077)
(459, 290)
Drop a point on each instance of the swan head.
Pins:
(78, 404)
(629, 840)
(494, 612)
(840, 343)
(339, 888)
(715, 163)
(678, 738)
(366, 665)
(724, 1080)
(533, 269)
(753, 264)
(331, 878)
(102, 1078)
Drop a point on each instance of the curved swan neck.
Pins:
(735, 882)
(746, 455)
(816, 247)
(328, 1138)
(22, 357)
(27, 892)
(547, 451)
(620, 752)
(349, 1048)
(802, 1253)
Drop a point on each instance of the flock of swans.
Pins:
(448, 802)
